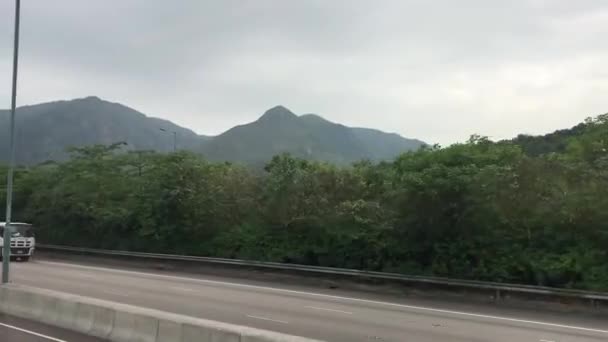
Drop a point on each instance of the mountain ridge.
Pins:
(47, 129)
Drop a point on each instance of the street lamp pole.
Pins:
(174, 138)
(6, 249)
(174, 142)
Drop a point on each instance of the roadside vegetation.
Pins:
(533, 210)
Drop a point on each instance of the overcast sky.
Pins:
(434, 70)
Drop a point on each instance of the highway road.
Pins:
(331, 315)
(19, 330)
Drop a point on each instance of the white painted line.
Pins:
(546, 341)
(267, 319)
(32, 333)
(326, 309)
(183, 289)
(115, 293)
(86, 275)
(321, 295)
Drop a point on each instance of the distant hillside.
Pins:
(46, 130)
(308, 136)
(556, 142)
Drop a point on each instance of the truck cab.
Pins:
(23, 241)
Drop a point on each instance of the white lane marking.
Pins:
(267, 319)
(326, 309)
(184, 289)
(546, 341)
(32, 333)
(115, 293)
(321, 295)
(86, 275)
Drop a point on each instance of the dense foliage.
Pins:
(479, 210)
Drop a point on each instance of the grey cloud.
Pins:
(435, 70)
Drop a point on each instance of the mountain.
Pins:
(44, 131)
(556, 142)
(308, 136)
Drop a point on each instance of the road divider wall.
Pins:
(123, 323)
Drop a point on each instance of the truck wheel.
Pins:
(25, 258)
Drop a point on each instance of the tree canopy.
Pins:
(478, 210)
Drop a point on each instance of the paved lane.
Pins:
(19, 330)
(322, 314)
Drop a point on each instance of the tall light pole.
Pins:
(6, 249)
(174, 138)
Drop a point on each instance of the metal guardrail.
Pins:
(466, 284)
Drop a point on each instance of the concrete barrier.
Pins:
(129, 326)
(123, 323)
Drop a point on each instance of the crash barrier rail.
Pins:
(120, 322)
(498, 290)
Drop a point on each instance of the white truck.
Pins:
(23, 241)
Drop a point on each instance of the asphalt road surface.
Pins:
(331, 315)
(19, 330)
